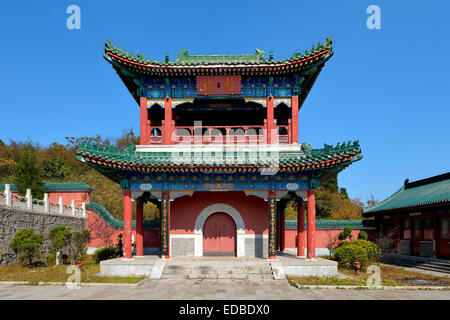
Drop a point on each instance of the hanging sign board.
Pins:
(218, 85)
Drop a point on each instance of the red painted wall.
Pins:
(184, 210)
(79, 197)
(103, 235)
(323, 237)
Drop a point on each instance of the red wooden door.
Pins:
(444, 238)
(417, 236)
(219, 235)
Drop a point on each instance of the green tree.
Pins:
(78, 245)
(324, 204)
(330, 182)
(27, 244)
(343, 192)
(56, 169)
(59, 237)
(27, 175)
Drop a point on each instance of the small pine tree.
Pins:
(26, 244)
(59, 237)
(27, 175)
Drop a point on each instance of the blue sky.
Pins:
(387, 88)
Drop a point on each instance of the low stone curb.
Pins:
(373, 288)
(83, 284)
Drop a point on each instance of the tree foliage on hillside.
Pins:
(332, 202)
(28, 165)
(27, 175)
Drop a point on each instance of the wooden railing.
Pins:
(253, 134)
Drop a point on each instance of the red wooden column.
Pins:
(434, 239)
(300, 228)
(139, 227)
(294, 119)
(167, 121)
(165, 225)
(311, 208)
(283, 231)
(127, 224)
(145, 130)
(272, 210)
(270, 119)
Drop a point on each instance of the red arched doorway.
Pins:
(219, 235)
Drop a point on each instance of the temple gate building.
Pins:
(219, 152)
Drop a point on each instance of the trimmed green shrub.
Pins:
(26, 244)
(105, 254)
(362, 235)
(347, 233)
(373, 251)
(347, 255)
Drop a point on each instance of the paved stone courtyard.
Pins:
(204, 290)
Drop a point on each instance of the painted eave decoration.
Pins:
(306, 158)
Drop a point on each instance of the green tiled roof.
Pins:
(114, 222)
(325, 224)
(57, 187)
(67, 186)
(305, 158)
(431, 191)
(184, 59)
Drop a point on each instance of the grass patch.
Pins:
(390, 276)
(59, 274)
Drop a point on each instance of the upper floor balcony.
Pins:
(251, 134)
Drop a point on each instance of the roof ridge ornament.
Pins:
(261, 55)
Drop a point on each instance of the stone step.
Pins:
(424, 266)
(216, 270)
(431, 262)
(254, 277)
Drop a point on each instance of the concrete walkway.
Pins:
(206, 290)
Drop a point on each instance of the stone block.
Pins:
(426, 248)
(404, 247)
(256, 247)
(182, 246)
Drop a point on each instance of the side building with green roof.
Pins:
(416, 218)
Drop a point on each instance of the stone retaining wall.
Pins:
(13, 220)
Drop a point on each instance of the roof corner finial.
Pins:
(271, 56)
(167, 57)
(406, 182)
